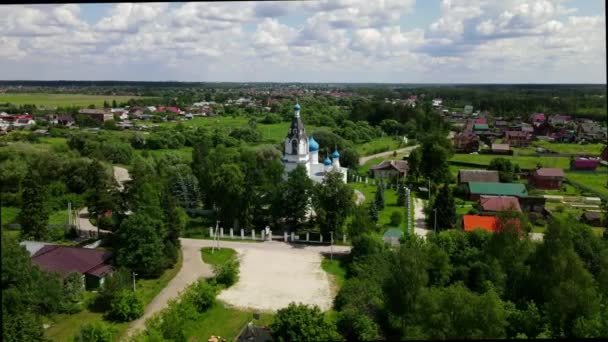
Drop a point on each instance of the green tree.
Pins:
(333, 202)
(33, 216)
(114, 105)
(140, 245)
(120, 279)
(446, 209)
(506, 169)
(401, 195)
(302, 323)
(227, 189)
(361, 223)
(227, 273)
(414, 163)
(202, 295)
(354, 326)
(373, 212)
(379, 197)
(126, 306)
(95, 332)
(396, 218)
(434, 162)
(296, 196)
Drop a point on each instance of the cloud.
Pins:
(127, 17)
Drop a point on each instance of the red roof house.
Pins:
(91, 263)
(472, 222)
(499, 203)
(583, 164)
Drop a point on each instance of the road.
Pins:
(85, 224)
(419, 219)
(406, 150)
(193, 268)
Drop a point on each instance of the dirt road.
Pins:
(405, 150)
(419, 218)
(193, 268)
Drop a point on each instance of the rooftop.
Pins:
(466, 176)
(549, 172)
(498, 189)
(67, 259)
(499, 203)
(472, 222)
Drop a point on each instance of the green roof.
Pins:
(480, 126)
(500, 189)
(393, 232)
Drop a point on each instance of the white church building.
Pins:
(299, 149)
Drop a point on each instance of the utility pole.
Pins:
(429, 190)
(134, 274)
(331, 243)
(435, 210)
(216, 240)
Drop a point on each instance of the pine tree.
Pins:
(114, 104)
(106, 104)
(373, 211)
(401, 195)
(379, 196)
(446, 208)
(33, 217)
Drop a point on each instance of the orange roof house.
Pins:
(472, 222)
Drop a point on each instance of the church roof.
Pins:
(296, 130)
(313, 145)
(336, 154)
(327, 161)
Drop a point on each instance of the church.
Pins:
(299, 149)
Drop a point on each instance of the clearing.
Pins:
(61, 100)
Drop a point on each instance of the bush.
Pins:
(119, 280)
(302, 323)
(126, 306)
(202, 296)
(355, 326)
(95, 332)
(227, 273)
(396, 218)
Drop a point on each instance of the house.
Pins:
(537, 118)
(92, 264)
(499, 203)
(481, 127)
(559, 120)
(502, 149)
(466, 176)
(472, 222)
(392, 236)
(477, 189)
(34, 246)
(591, 131)
(517, 138)
(592, 218)
(544, 128)
(583, 164)
(547, 178)
(65, 120)
(437, 102)
(390, 169)
(101, 115)
(466, 142)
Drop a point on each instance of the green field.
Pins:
(525, 162)
(64, 327)
(9, 215)
(378, 145)
(390, 204)
(61, 100)
(591, 149)
(595, 180)
(217, 257)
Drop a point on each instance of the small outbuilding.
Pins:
(477, 189)
(392, 236)
(592, 218)
(583, 164)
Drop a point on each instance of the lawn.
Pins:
(65, 326)
(217, 257)
(61, 100)
(335, 268)
(184, 153)
(591, 149)
(390, 204)
(9, 215)
(377, 145)
(222, 320)
(525, 162)
(595, 180)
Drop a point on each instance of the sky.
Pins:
(376, 41)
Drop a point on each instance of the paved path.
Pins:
(121, 175)
(419, 218)
(536, 236)
(405, 150)
(193, 268)
(360, 197)
(85, 224)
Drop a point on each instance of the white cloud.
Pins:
(127, 17)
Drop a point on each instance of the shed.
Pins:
(392, 236)
(476, 189)
(592, 218)
(583, 164)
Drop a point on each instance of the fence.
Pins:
(261, 235)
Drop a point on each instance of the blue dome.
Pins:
(327, 161)
(296, 107)
(313, 146)
(336, 154)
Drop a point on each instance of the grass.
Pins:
(525, 162)
(594, 180)
(184, 153)
(218, 257)
(390, 204)
(377, 145)
(65, 326)
(9, 215)
(222, 320)
(335, 268)
(61, 100)
(58, 217)
(591, 149)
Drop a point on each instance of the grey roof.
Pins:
(34, 246)
(465, 176)
(399, 165)
(393, 232)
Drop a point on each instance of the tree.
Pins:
(505, 169)
(401, 195)
(227, 189)
(298, 322)
(227, 273)
(175, 221)
(296, 196)
(126, 306)
(373, 212)
(414, 163)
(140, 245)
(354, 326)
(33, 216)
(114, 105)
(396, 218)
(446, 209)
(361, 223)
(434, 162)
(95, 332)
(106, 104)
(333, 202)
(379, 197)
(202, 295)
(120, 279)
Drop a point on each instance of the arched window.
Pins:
(294, 146)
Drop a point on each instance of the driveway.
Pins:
(405, 150)
(193, 268)
(419, 219)
(273, 274)
(85, 224)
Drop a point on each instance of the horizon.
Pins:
(325, 41)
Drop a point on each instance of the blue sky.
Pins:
(397, 41)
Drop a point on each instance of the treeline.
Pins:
(477, 285)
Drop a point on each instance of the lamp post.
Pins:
(134, 274)
(435, 210)
(429, 190)
(331, 243)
